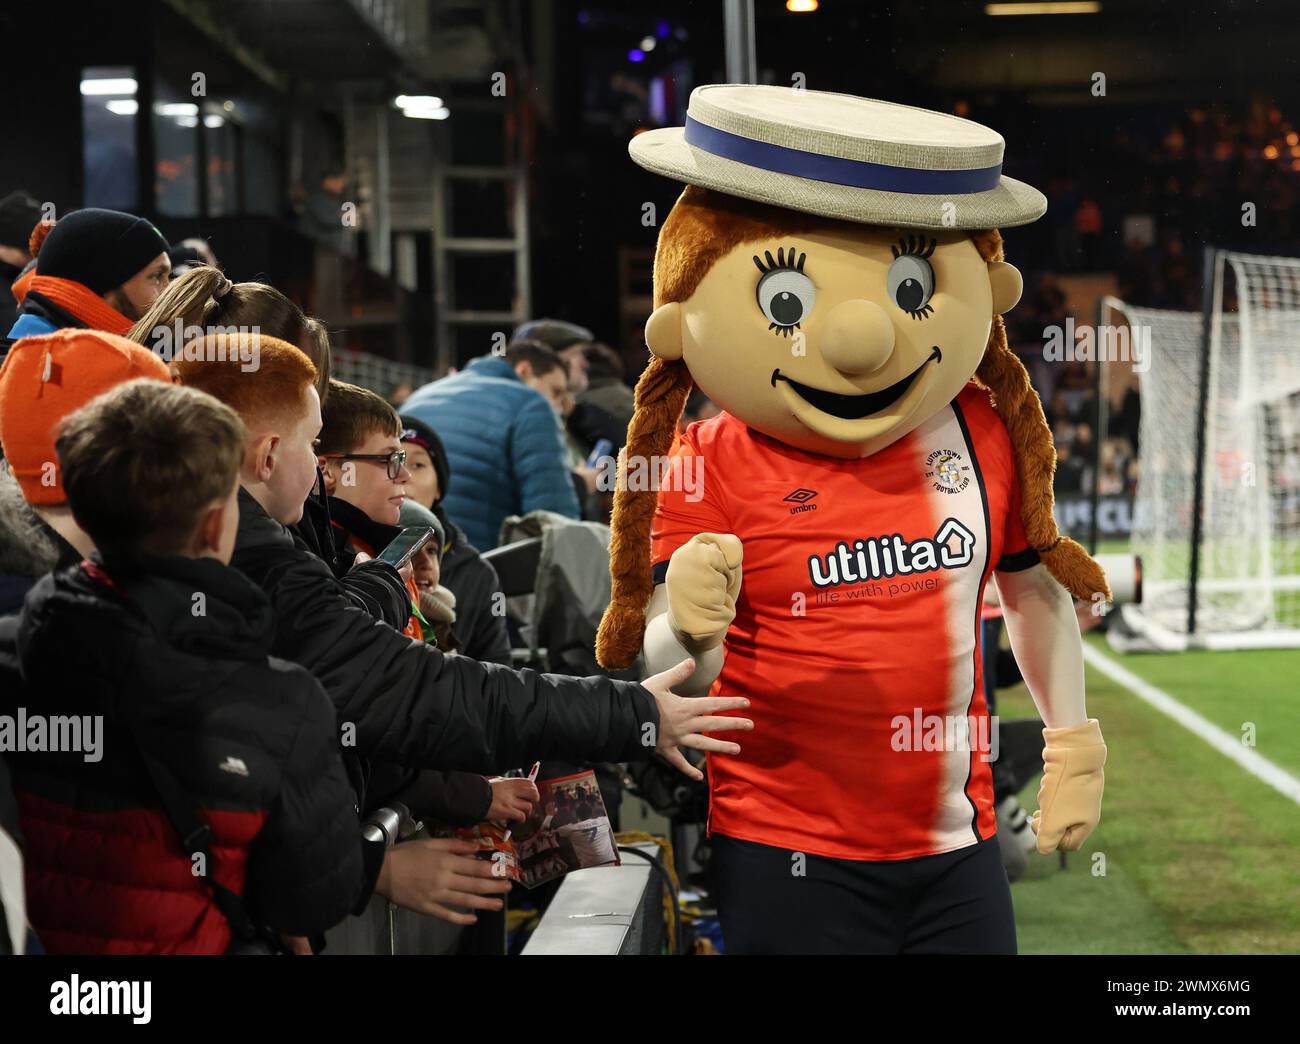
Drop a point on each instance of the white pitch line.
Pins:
(1224, 742)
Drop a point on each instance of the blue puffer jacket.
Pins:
(504, 445)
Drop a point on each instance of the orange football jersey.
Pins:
(856, 635)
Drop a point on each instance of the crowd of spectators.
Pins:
(195, 569)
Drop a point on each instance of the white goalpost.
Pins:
(1220, 431)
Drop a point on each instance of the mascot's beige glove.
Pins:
(702, 581)
(1069, 799)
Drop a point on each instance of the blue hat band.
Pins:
(836, 170)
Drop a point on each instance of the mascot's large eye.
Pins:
(784, 294)
(910, 280)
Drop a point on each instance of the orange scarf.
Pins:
(22, 284)
(82, 303)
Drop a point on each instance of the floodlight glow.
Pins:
(1050, 7)
(123, 85)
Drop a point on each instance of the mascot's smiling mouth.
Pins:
(855, 407)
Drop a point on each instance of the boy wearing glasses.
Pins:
(364, 464)
(363, 458)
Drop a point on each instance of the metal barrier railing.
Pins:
(605, 911)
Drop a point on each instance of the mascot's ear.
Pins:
(1007, 286)
(663, 332)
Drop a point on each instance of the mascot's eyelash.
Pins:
(782, 260)
(914, 245)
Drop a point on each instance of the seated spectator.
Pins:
(96, 269)
(437, 603)
(499, 420)
(45, 379)
(201, 728)
(480, 603)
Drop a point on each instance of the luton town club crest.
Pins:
(948, 471)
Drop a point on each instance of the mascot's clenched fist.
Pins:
(703, 579)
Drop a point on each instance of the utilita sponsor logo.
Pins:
(75, 997)
(876, 558)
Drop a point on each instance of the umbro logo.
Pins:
(234, 765)
(800, 498)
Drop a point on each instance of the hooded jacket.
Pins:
(403, 701)
(171, 655)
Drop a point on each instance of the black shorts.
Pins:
(957, 902)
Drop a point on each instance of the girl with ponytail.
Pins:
(833, 279)
(204, 299)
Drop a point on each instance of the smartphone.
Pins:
(405, 544)
(601, 449)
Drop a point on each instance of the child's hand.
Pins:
(512, 800)
(406, 572)
(684, 720)
(431, 876)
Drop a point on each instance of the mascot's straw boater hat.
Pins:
(849, 159)
(857, 159)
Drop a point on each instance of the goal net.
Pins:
(1247, 573)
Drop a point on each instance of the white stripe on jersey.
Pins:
(963, 501)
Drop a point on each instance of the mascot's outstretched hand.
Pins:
(703, 580)
(1069, 798)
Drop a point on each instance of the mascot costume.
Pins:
(832, 278)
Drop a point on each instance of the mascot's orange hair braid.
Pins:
(702, 227)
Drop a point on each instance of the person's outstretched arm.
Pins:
(401, 700)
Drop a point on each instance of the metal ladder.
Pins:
(452, 315)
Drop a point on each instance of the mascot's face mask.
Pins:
(840, 340)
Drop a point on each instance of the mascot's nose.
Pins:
(857, 337)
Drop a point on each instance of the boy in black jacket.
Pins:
(160, 651)
(363, 462)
